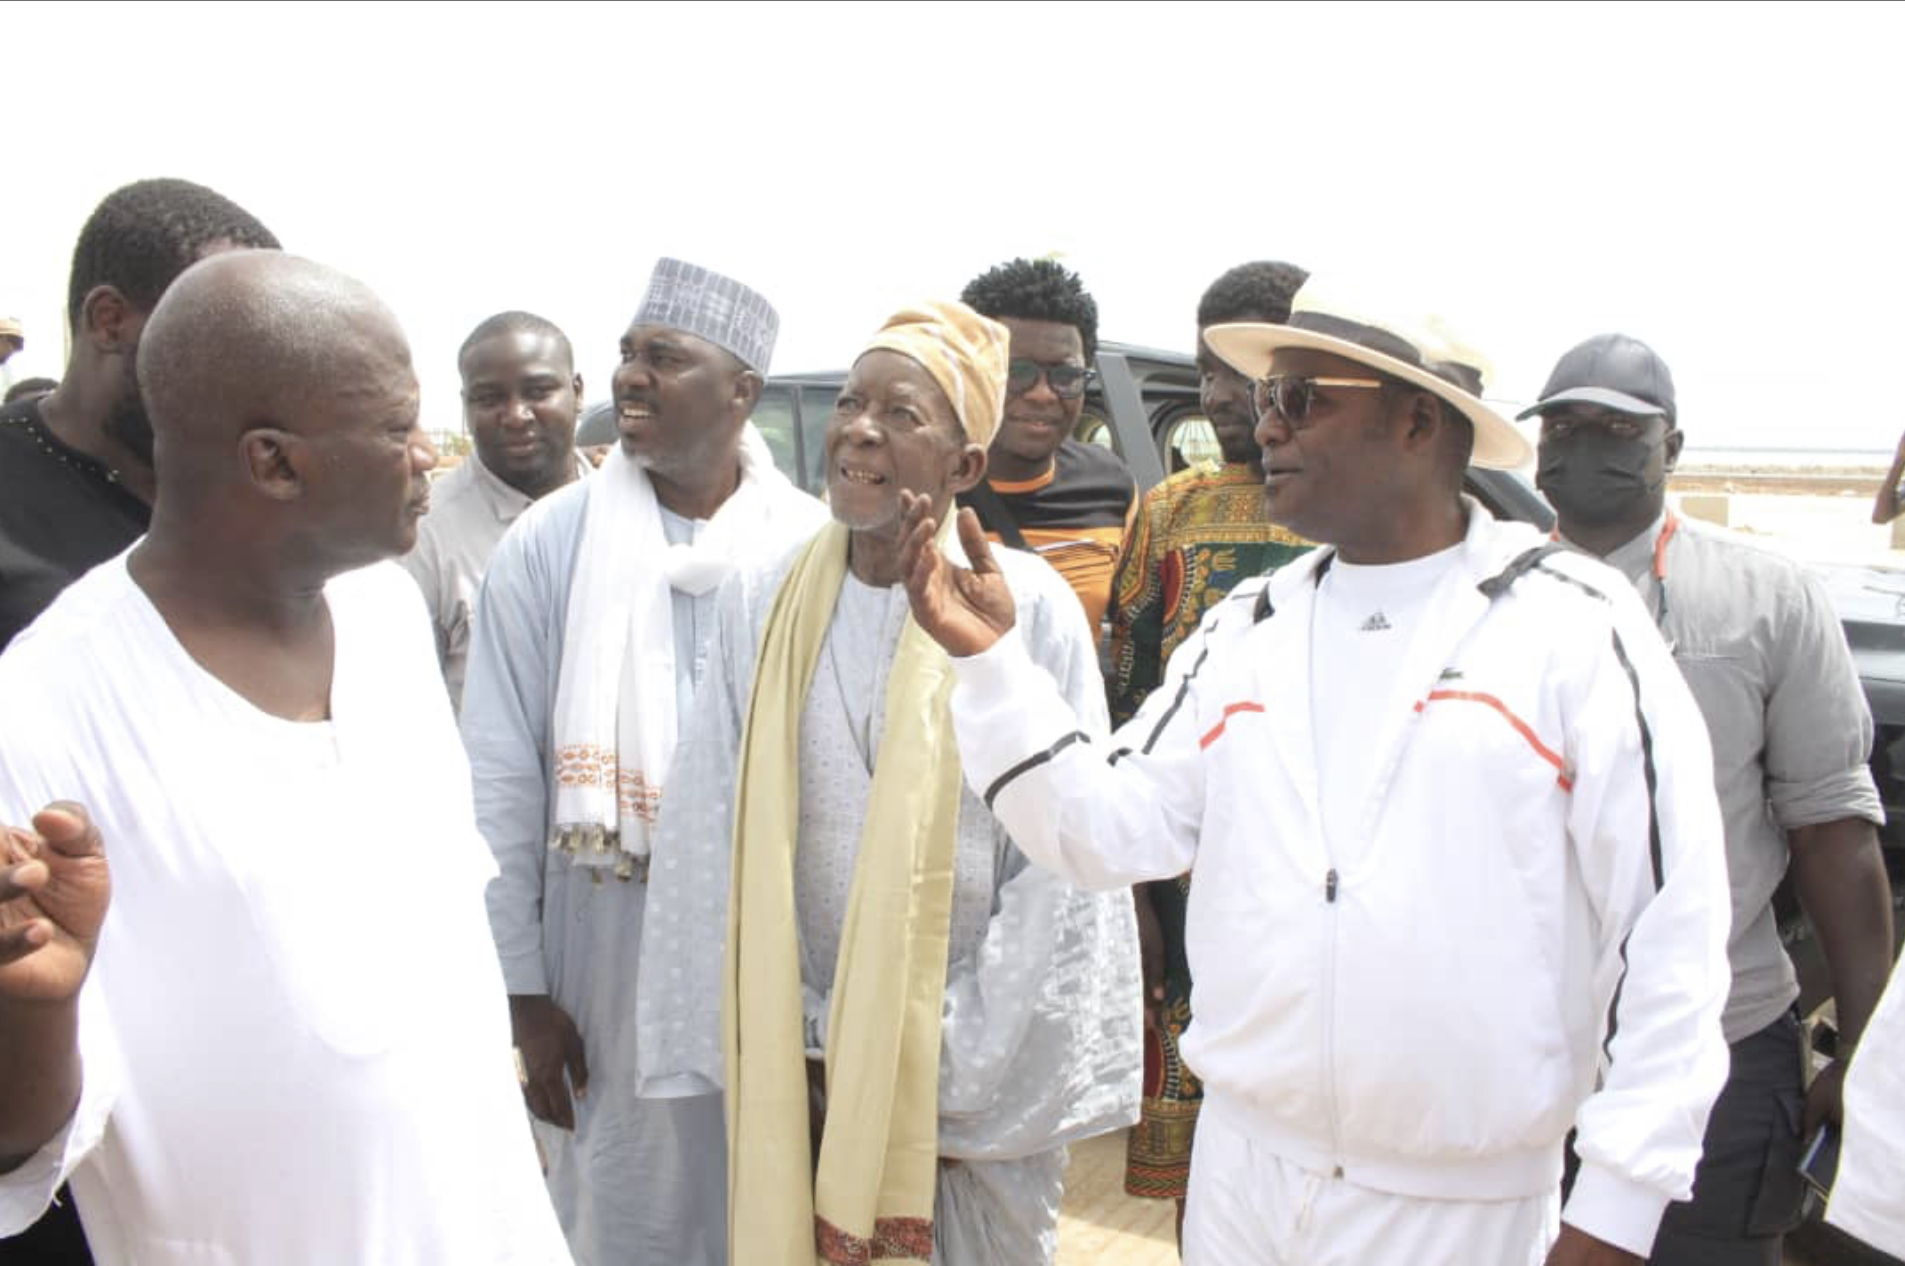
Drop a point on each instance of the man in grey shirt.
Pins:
(1766, 659)
(521, 398)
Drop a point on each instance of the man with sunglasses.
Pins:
(1458, 878)
(1766, 659)
(1068, 501)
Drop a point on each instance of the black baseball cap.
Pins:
(1613, 371)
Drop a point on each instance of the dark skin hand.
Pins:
(550, 1046)
(1150, 955)
(1839, 876)
(54, 892)
(965, 611)
(1886, 507)
(1578, 1248)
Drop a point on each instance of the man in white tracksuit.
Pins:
(1459, 883)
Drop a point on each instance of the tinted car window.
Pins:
(816, 406)
(775, 418)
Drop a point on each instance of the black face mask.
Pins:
(1594, 477)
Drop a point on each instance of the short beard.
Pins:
(128, 426)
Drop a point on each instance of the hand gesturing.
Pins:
(964, 610)
(54, 890)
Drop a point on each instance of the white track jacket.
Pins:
(1533, 936)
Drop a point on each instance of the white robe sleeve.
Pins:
(26, 785)
(684, 932)
(508, 699)
(26, 1192)
(1040, 1038)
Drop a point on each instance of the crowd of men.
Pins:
(815, 873)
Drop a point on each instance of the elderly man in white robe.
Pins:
(590, 635)
(916, 1022)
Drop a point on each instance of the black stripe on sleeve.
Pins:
(1646, 764)
(1030, 763)
(1614, 1004)
(1542, 567)
(1183, 693)
(1498, 584)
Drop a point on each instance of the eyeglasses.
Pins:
(1291, 395)
(1066, 381)
(1622, 426)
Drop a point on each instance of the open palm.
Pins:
(964, 609)
(54, 890)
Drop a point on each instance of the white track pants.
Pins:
(1248, 1207)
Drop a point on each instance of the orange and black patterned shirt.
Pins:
(1199, 534)
(1074, 517)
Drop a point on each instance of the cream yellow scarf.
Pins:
(872, 1198)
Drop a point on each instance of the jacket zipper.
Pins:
(1330, 884)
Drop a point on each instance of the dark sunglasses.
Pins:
(1066, 381)
(1291, 395)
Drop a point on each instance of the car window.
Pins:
(816, 406)
(774, 418)
(1188, 439)
(1092, 428)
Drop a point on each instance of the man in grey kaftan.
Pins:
(1040, 1033)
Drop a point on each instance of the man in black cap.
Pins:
(1766, 659)
(1458, 881)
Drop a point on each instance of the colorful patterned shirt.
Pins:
(1198, 534)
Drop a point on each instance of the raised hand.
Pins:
(550, 1044)
(54, 890)
(964, 610)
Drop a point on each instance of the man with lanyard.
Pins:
(959, 1014)
(1196, 536)
(1067, 501)
(591, 636)
(1766, 659)
(1457, 871)
(521, 398)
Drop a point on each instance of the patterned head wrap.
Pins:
(964, 352)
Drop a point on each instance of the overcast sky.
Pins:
(1724, 181)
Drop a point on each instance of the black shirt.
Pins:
(62, 513)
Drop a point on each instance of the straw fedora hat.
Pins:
(1414, 351)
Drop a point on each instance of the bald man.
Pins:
(283, 1037)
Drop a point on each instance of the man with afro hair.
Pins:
(1067, 501)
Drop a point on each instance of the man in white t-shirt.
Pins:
(283, 1037)
(1457, 876)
